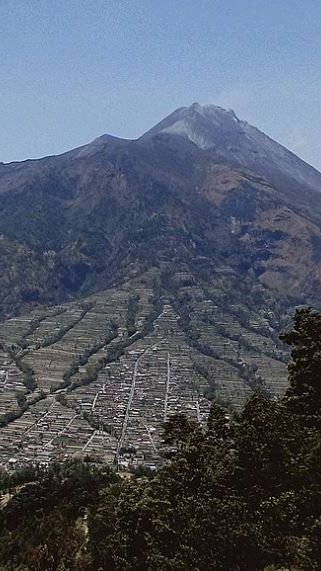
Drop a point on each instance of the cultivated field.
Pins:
(100, 377)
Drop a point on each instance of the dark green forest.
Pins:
(241, 493)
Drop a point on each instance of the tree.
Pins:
(303, 397)
(218, 426)
(178, 429)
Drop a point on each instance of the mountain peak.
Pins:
(235, 141)
(209, 110)
(198, 123)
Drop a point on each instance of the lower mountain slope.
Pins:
(99, 377)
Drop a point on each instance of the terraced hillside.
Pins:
(99, 377)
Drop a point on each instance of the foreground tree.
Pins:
(303, 397)
(242, 493)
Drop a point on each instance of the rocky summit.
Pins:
(144, 277)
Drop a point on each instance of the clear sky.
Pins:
(71, 70)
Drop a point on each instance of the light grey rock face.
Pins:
(205, 126)
(233, 140)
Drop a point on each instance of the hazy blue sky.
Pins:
(74, 69)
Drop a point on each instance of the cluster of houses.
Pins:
(118, 418)
(11, 384)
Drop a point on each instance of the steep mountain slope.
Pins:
(148, 275)
(80, 221)
(237, 142)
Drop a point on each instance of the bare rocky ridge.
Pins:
(236, 141)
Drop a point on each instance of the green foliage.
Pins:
(242, 493)
(43, 524)
(132, 309)
(304, 393)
